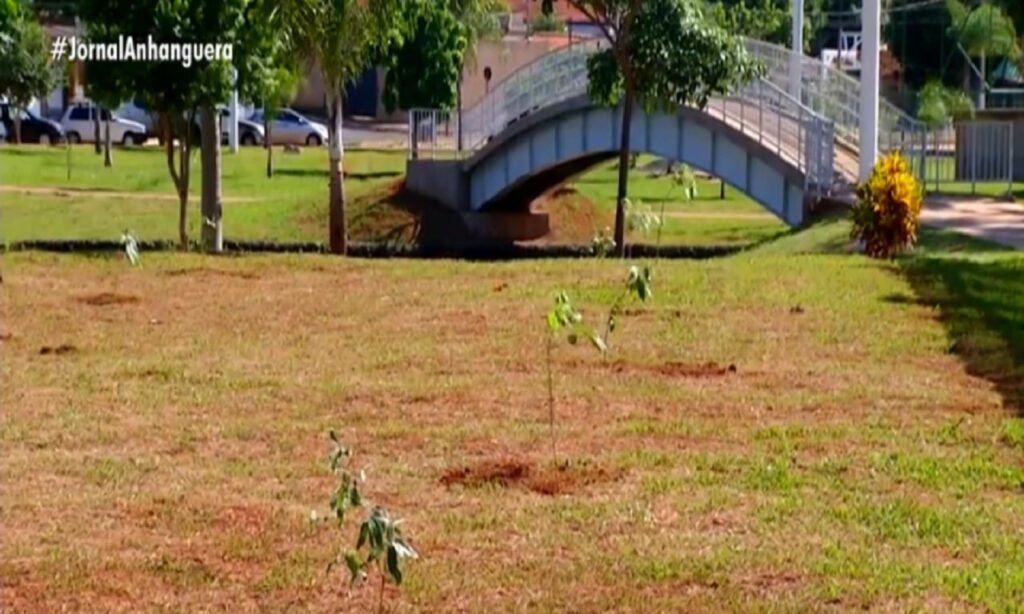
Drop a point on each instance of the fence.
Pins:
(969, 155)
(433, 134)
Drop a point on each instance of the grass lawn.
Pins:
(38, 201)
(705, 220)
(137, 193)
(792, 428)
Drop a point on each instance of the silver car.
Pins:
(291, 128)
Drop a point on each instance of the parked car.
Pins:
(34, 129)
(136, 111)
(291, 128)
(249, 132)
(3, 133)
(78, 123)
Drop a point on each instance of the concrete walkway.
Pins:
(985, 218)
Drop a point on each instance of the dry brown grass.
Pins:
(730, 455)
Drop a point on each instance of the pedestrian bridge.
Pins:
(784, 144)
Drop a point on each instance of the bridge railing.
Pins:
(835, 95)
(762, 109)
(765, 113)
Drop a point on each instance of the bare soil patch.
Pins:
(669, 369)
(204, 271)
(108, 298)
(562, 478)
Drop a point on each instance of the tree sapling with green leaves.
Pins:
(380, 542)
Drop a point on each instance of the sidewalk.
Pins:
(985, 218)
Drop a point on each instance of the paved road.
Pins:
(985, 218)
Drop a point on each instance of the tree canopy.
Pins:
(673, 56)
(424, 70)
(25, 71)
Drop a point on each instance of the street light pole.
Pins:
(796, 57)
(870, 46)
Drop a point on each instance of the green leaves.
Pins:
(937, 104)
(564, 315)
(25, 70)
(424, 70)
(602, 244)
(379, 540)
(640, 217)
(670, 53)
(638, 282)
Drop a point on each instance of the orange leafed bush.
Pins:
(885, 218)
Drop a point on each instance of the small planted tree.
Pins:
(885, 218)
(380, 543)
(131, 247)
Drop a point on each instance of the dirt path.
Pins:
(102, 193)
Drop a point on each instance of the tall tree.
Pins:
(340, 37)
(424, 71)
(269, 67)
(25, 70)
(662, 54)
(175, 91)
(942, 40)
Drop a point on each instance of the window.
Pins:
(79, 114)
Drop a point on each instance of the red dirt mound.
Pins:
(561, 479)
(108, 298)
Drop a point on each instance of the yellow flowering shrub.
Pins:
(888, 207)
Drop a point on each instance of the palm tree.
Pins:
(340, 37)
(982, 31)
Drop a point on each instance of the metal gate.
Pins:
(962, 156)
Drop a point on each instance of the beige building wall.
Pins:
(503, 57)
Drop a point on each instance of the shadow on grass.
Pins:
(981, 304)
(316, 172)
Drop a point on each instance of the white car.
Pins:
(291, 128)
(137, 112)
(79, 127)
(3, 133)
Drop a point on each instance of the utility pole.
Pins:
(870, 44)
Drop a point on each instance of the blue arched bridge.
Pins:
(784, 144)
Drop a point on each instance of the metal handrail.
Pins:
(795, 131)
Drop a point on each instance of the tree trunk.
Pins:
(624, 157)
(338, 233)
(269, 143)
(458, 106)
(185, 157)
(108, 161)
(97, 144)
(17, 127)
(180, 177)
(211, 204)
